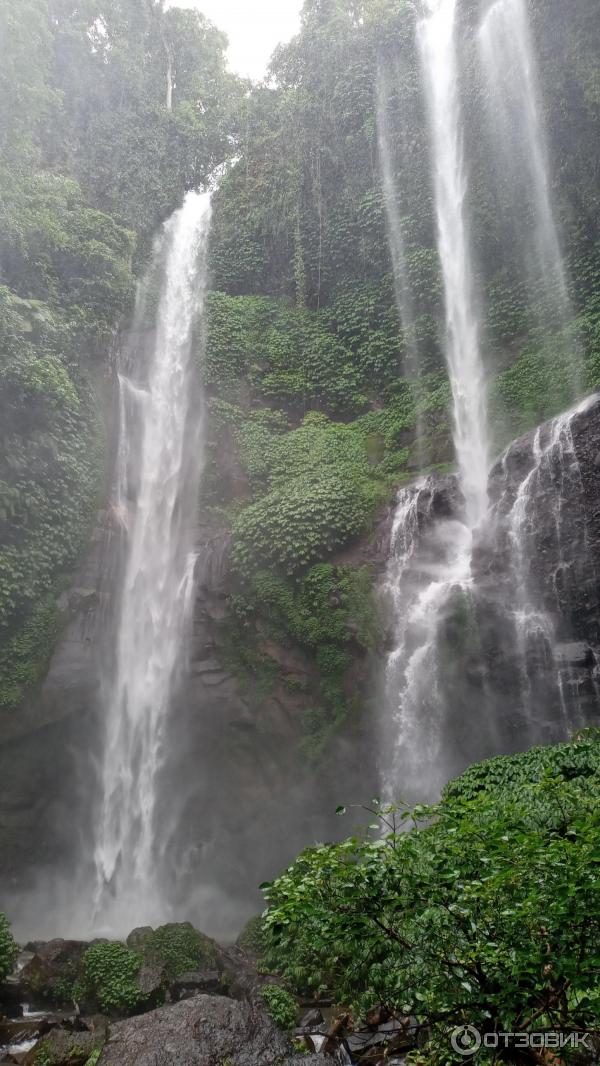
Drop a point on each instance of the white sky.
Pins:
(254, 28)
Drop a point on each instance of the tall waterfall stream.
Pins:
(156, 502)
(440, 524)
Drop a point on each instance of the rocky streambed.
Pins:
(138, 1003)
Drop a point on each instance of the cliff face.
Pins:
(529, 673)
(236, 760)
(537, 579)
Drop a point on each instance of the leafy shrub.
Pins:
(282, 1006)
(8, 948)
(295, 525)
(110, 972)
(485, 913)
(252, 937)
(179, 947)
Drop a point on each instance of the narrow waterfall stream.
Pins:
(402, 290)
(438, 48)
(520, 151)
(156, 500)
(426, 576)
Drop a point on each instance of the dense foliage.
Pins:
(282, 1006)
(109, 109)
(110, 971)
(8, 948)
(317, 411)
(177, 948)
(484, 912)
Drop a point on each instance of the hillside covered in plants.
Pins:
(300, 505)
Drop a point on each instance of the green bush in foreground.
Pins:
(111, 976)
(486, 912)
(281, 1006)
(8, 948)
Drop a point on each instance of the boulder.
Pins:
(138, 937)
(152, 981)
(50, 973)
(176, 948)
(204, 1031)
(63, 1048)
(312, 1020)
(306, 1060)
(194, 982)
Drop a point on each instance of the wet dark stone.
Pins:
(202, 1031)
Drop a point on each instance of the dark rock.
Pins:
(305, 1060)
(205, 1031)
(152, 981)
(62, 1048)
(312, 1020)
(542, 670)
(138, 937)
(574, 654)
(52, 969)
(189, 984)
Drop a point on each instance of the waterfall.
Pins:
(519, 143)
(430, 559)
(397, 245)
(404, 300)
(542, 542)
(437, 45)
(429, 581)
(158, 470)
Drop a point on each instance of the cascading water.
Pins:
(541, 541)
(437, 45)
(159, 466)
(425, 603)
(519, 144)
(397, 245)
(404, 300)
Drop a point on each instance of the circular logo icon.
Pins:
(466, 1040)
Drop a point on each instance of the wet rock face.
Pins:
(202, 1031)
(537, 579)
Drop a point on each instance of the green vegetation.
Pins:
(282, 1006)
(485, 912)
(110, 974)
(252, 938)
(331, 613)
(8, 949)
(178, 948)
(315, 416)
(95, 155)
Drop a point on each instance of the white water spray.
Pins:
(428, 575)
(429, 561)
(437, 44)
(156, 500)
(404, 300)
(515, 114)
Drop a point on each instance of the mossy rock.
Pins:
(111, 980)
(252, 938)
(60, 1047)
(177, 947)
(54, 971)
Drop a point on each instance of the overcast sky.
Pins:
(254, 28)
